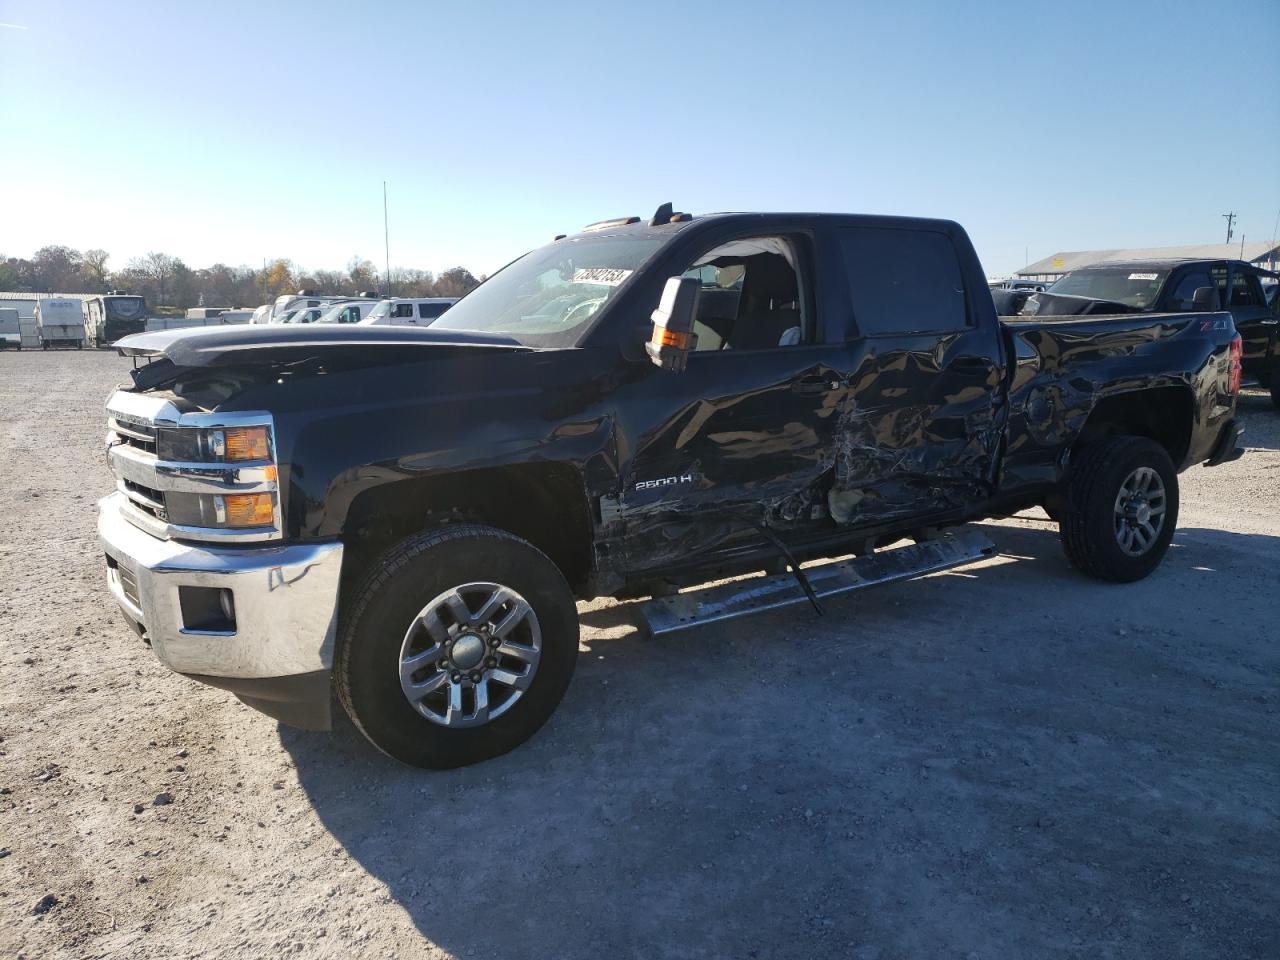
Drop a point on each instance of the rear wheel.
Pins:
(1122, 509)
(457, 646)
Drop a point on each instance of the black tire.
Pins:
(400, 584)
(1088, 527)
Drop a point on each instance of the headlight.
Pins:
(231, 445)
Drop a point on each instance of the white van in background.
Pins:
(348, 311)
(262, 314)
(408, 311)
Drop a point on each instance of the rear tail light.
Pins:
(1237, 357)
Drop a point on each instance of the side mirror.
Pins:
(673, 338)
(1206, 300)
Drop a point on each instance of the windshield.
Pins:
(1132, 286)
(334, 313)
(548, 297)
(124, 308)
(381, 310)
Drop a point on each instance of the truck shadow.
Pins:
(787, 785)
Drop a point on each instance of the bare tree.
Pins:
(93, 267)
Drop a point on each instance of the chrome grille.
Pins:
(157, 490)
(139, 435)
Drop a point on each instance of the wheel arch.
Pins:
(1163, 414)
(544, 503)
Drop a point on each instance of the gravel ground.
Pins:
(1006, 761)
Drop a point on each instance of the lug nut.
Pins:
(491, 662)
(455, 676)
(495, 643)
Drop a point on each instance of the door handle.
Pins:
(970, 366)
(814, 384)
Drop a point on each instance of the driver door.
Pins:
(743, 436)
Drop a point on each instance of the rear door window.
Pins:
(903, 281)
(1245, 290)
(1183, 296)
(429, 311)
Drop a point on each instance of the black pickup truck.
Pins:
(406, 516)
(1173, 286)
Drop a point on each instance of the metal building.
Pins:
(1261, 253)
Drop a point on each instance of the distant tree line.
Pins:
(168, 282)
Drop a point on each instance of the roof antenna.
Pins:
(662, 215)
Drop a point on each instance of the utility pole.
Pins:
(1231, 219)
(386, 236)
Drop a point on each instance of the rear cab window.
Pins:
(903, 281)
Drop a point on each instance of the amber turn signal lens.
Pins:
(248, 510)
(248, 443)
(671, 338)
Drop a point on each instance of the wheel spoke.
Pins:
(520, 651)
(454, 714)
(416, 691)
(519, 610)
(435, 626)
(507, 678)
(482, 702)
(412, 664)
(490, 607)
(458, 608)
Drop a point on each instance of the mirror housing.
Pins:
(673, 338)
(1206, 300)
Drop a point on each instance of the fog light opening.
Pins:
(207, 609)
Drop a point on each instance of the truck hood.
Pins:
(274, 344)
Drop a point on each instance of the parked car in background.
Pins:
(1009, 303)
(348, 311)
(262, 314)
(406, 517)
(408, 311)
(10, 328)
(1177, 286)
(60, 322)
(287, 304)
(114, 315)
(236, 316)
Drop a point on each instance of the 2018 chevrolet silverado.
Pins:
(406, 515)
(1170, 286)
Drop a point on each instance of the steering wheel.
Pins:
(586, 308)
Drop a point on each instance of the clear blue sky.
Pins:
(237, 131)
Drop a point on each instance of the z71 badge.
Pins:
(664, 482)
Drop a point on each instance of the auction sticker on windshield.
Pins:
(1144, 276)
(601, 276)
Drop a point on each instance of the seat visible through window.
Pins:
(750, 297)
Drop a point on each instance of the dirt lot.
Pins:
(1006, 761)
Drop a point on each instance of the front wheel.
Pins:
(1122, 509)
(456, 647)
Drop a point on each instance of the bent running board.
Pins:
(742, 597)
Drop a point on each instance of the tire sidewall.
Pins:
(373, 638)
(1100, 505)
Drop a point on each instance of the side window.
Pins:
(403, 310)
(751, 296)
(429, 311)
(350, 315)
(1244, 290)
(1219, 274)
(903, 281)
(1184, 293)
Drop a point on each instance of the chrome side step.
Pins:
(742, 597)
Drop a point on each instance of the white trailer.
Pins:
(60, 322)
(10, 328)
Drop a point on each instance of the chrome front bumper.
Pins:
(285, 605)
